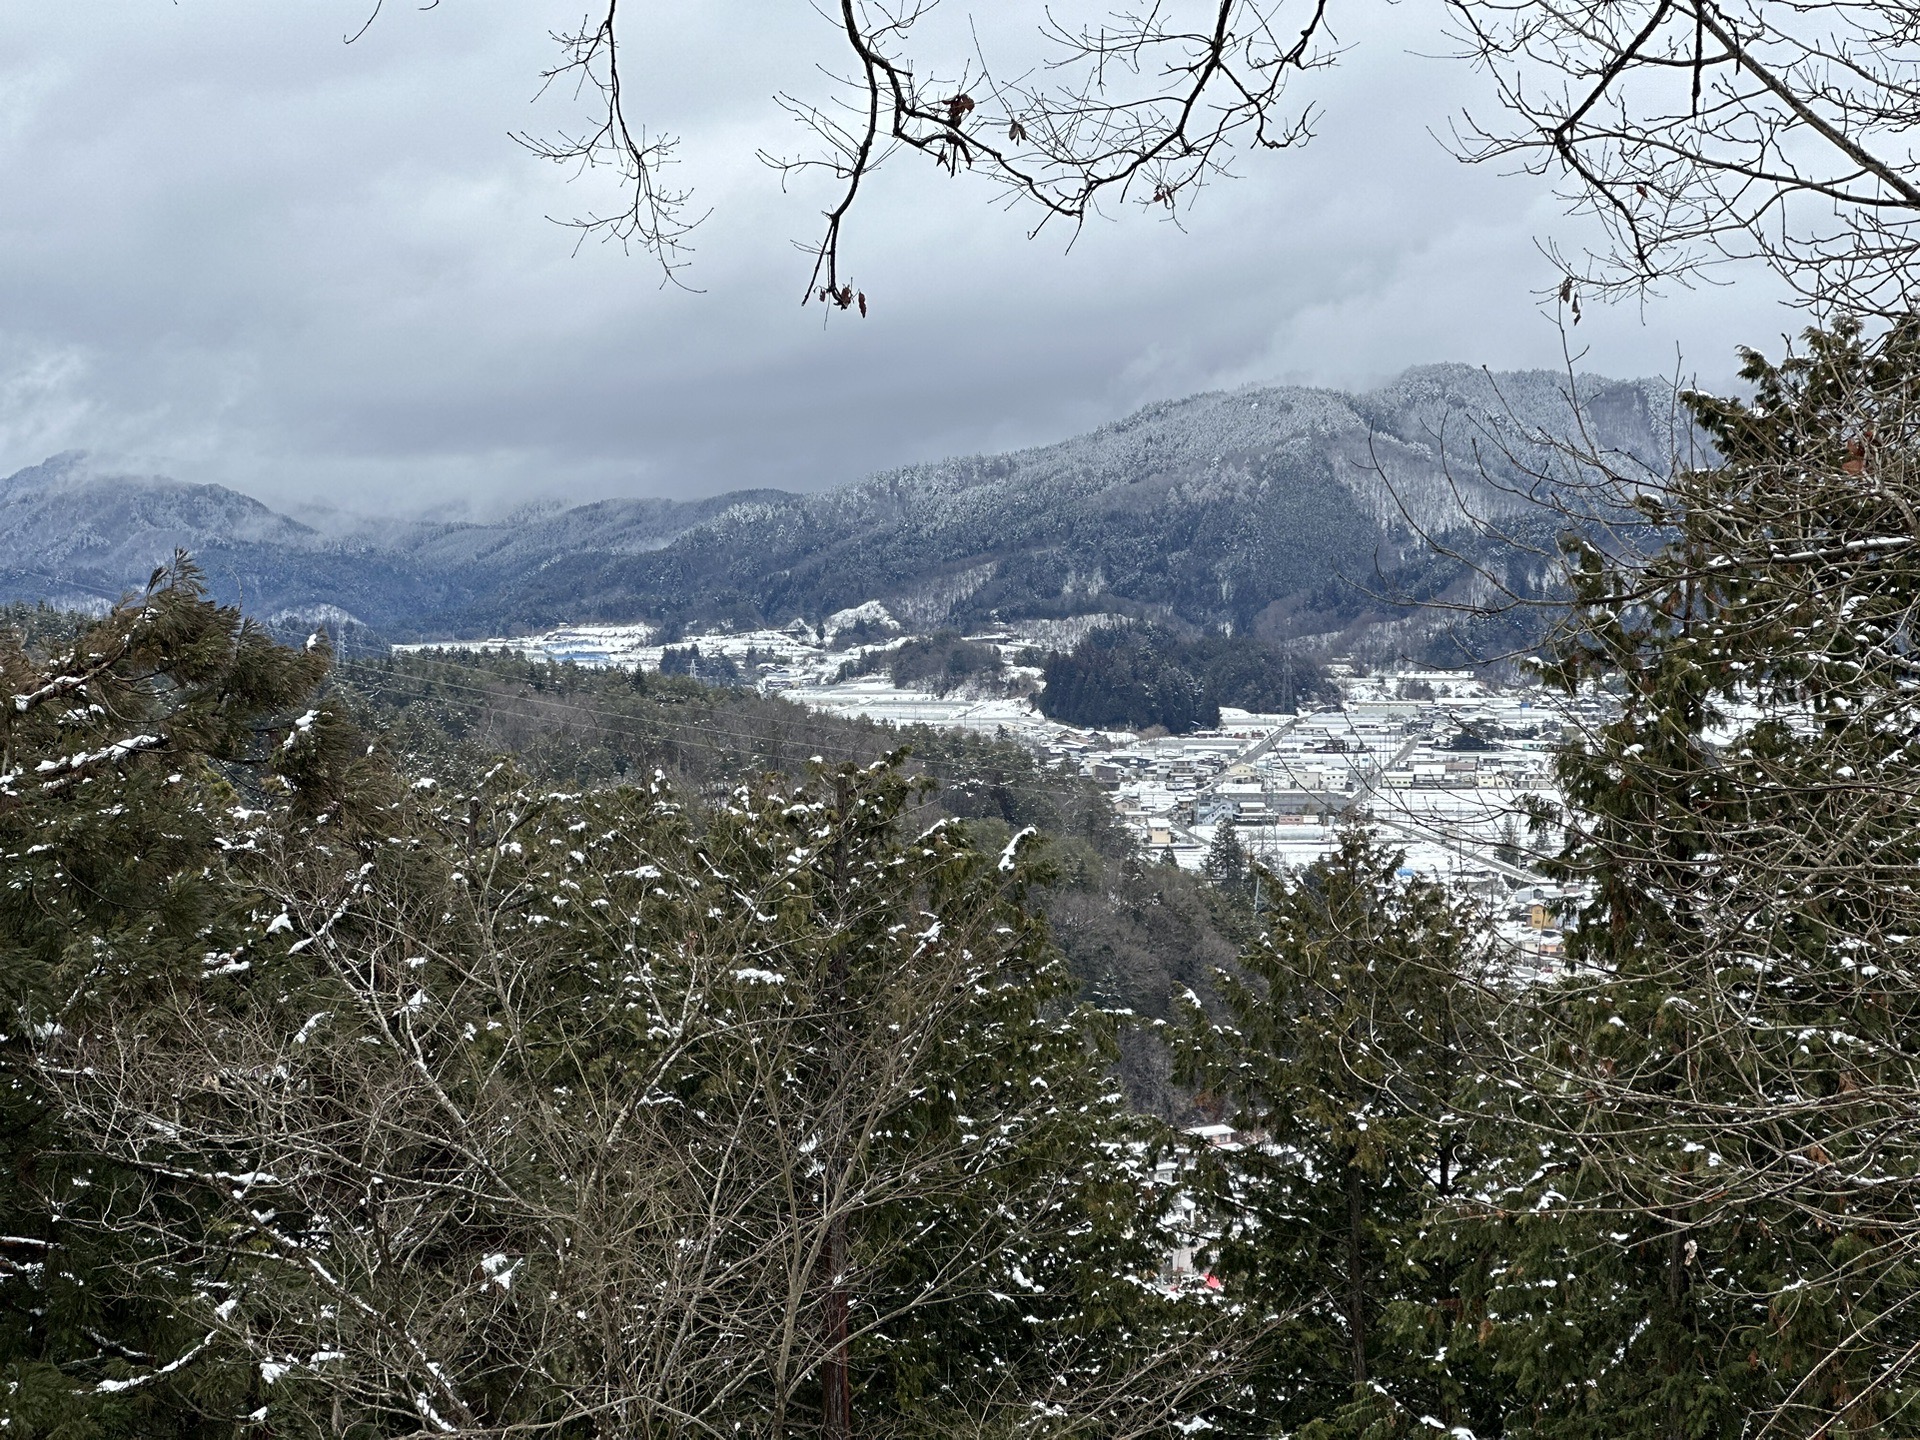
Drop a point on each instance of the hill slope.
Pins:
(1245, 508)
(1239, 508)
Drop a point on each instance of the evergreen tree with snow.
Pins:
(128, 747)
(512, 1108)
(1344, 1055)
(1723, 1203)
(1226, 860)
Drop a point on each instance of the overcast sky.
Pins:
(233, 248)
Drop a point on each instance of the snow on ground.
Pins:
(875, 697)
(1438, 761)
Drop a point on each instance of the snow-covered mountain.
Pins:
(1244, 507)
(64, 519)
(79, 535)
(1236, 507)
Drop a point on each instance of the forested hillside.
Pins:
(1270, 509)
(1134, 934)
(1133, 677)
(72, 533)
(1287, 511)
(345, 1098)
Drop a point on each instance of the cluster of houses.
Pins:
(1450, 773)
(1468, 757)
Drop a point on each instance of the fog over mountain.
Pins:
(238, 250)
(1270, 508)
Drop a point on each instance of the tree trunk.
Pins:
(1356, 1276)
(836, 1384)
(836, 1381)
(1676, 1301)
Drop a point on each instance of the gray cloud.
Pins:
(233, 248)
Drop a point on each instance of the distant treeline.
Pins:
(1139, 676)
(941, 662)
(709, 669)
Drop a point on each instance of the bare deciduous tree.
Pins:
(1696, 131)
(1692, 131)
(546, 1111)
(1141, 107)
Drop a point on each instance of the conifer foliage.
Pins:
(1344, 1058)
(350, 1100)
(350, 1105)
(1735, 1063)
(1681, 1195)
(1225, 864)
(125, 751)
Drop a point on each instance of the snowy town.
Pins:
(1443, 763)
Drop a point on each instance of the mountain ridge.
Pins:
(1236, 508)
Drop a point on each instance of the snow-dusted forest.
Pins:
(476, 1047)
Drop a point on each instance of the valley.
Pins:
(1069, 839)
(1445, 764)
